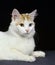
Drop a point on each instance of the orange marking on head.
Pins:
(22, 18)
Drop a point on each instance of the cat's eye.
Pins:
(30, 24)
(22, 24)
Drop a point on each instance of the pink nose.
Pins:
(27, 30)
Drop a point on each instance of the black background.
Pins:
(44, 21)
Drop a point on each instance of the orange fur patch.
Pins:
(25, 16)
(22, 18)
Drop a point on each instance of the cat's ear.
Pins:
(33, 14)
(15, 14)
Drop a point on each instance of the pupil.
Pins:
(30, 24)
(21, 24)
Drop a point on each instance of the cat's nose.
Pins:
(27, 30)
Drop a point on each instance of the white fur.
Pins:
(15, 46)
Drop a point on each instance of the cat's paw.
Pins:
(31, 59)
(38, 54)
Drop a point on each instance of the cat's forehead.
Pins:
(25, 17)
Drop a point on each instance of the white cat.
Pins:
(17, 43)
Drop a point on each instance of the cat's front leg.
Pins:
(18, 55)
(38, 54)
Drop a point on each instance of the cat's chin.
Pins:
(27, 35)
(24, 35)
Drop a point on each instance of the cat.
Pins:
(18, 43)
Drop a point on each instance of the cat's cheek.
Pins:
(32, 29)
(20, 30)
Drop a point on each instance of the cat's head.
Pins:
(24, 23)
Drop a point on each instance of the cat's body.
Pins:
(8, 41)
(18, 43)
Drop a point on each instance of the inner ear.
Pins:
(15, 14)
(33, 14)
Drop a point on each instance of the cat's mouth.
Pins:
(27, 33)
